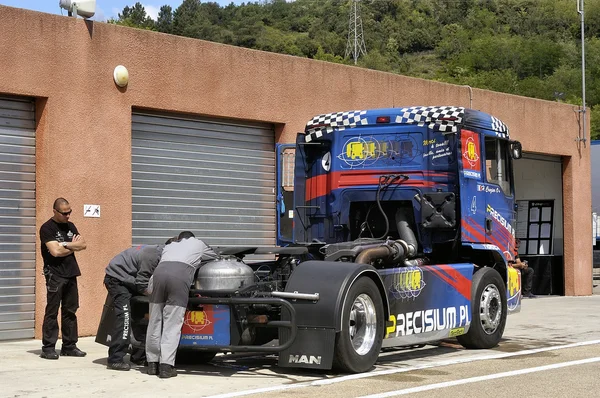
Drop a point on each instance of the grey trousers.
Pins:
(164, 332)
(168, 301)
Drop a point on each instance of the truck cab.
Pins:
(443, 172)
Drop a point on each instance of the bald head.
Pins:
(60, 202)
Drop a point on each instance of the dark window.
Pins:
(497, 163)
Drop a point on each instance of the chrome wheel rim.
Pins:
(362, 324)
(490, 309)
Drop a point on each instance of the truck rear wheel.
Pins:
(358, 344)
(488, 310)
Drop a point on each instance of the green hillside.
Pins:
(523, 47)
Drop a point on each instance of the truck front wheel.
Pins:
(488, 310)
(358, 344)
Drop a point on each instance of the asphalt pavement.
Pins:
(545, 324)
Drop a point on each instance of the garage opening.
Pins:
(214, 177)
(17, 218)
(539, 199)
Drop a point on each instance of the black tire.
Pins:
(488, 310)
(363, 317)
(193, 357)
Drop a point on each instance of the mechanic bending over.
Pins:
(169, 296)
(127, 275)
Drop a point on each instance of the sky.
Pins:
(105, 9)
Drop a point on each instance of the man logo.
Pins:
(308, 359)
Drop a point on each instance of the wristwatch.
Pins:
(63, 244)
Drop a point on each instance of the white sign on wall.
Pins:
(91, 211)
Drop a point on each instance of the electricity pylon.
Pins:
(356, 40)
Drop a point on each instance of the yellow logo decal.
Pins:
(391, 329)
(408, 283)
(360, 150)
(456, 332)
(514, 284)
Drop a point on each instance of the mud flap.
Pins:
(319, 321)
(107, 322)
(312, 348)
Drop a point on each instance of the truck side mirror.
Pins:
(516, 150)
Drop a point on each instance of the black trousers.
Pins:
(61, 293)
(120, 340)
(527, 280)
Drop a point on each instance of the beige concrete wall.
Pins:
(84, 129)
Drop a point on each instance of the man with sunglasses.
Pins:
(60, 240)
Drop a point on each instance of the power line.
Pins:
(356, 40)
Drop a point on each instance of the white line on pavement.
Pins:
(401, 370)
(481, 378)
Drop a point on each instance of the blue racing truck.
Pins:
(403, 230)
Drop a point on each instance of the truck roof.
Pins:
(438, 118)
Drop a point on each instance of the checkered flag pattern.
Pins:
(420, 115)
(326, 123)
(500, 128)
(430, 115)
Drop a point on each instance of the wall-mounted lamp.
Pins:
(84, 8)
(121, 76)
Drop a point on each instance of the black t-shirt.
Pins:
(66, 267)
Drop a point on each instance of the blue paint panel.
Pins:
(428, 299)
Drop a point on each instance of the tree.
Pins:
(323, 56)
(135, 16)
(186, 18)
(164, 22)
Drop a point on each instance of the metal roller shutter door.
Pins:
(213, 177)
(17, 218)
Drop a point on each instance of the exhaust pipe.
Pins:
(390, 250)
(368, 255)
(406, 233)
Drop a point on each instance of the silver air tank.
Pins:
(224, 274)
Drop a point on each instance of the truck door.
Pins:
(497, 190)
(471, 180)
(286, 154)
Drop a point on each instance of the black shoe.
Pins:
(153, 368)
(119, 366)
(530, 295)
(50, 354)
(73, 352)
(138, 361)
(166, 371)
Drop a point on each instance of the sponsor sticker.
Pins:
(206, 326)
(471, 154)
(408, 283)
(428, 320)
(456, 332)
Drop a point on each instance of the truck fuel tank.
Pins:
(224, 274)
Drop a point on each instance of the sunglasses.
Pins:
(64, 213)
